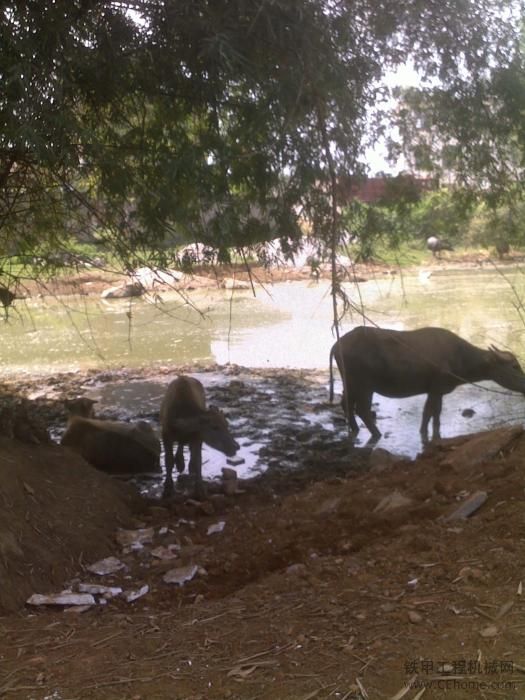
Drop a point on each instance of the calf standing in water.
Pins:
(185, 419)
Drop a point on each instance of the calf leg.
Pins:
(195, 468)
(168, 461)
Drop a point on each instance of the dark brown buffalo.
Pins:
(185, 419)
(432, 361)
(111, 446)
(6, 299)
(436, 245)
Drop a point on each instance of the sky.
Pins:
(375, 158)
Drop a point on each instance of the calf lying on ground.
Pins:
(111, 446)
(185, 419)
(81, 406)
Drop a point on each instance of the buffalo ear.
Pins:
(214, 411)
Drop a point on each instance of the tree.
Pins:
(444, 213)
(223, 121)
(470, 131)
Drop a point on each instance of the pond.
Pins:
(285, 325)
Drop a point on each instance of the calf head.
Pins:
(506, 370)
(80, 407)
(210, 427)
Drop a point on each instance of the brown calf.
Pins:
(185, 419)
(111, 446)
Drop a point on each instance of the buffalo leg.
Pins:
(363, 410)
(437, 404)
(195, 468)
(349, 410)
(432, 409)
(168, 461)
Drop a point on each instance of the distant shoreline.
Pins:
(93, 282)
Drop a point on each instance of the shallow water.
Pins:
(285, 325)
(275, 413)
(276, 419)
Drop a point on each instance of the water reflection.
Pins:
(286, 325)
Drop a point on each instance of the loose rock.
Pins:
(181, 574)
(394, 500)
(129, 537)
(216, 527)
(132, 595)
(64, 598)
(97, 589)
(124, 291)
(469, 507)
(106, 566)
(170, 551)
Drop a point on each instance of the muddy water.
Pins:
(280, 419)
(286, 325)
(285, 422)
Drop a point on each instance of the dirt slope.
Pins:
(55, 512)
(312, 589)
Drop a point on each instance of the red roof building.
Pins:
(374, 189)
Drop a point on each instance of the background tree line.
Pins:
(383, 231)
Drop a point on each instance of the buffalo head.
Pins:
(506, 370)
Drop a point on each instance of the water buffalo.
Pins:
(6, 296)
(111, 446)
(432, 361)
(436, 245)
(6, 299)
(502, 247)
(185, 419)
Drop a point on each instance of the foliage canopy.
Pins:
(141, 124)
(471, 130)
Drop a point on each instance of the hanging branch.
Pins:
(334, 217)
(335, 287)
